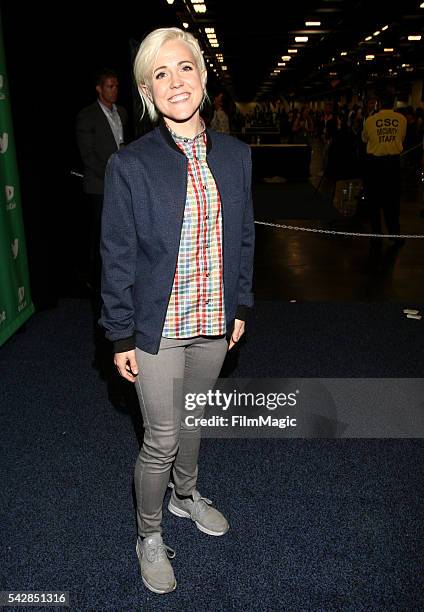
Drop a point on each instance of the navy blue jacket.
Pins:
(143, 209)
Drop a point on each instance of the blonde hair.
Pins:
(146, 57)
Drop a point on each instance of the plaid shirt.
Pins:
(196, 305)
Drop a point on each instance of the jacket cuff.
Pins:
(123, 345)
(242, 312)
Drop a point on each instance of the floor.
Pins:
(303, 266)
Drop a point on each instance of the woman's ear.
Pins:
(146, 92)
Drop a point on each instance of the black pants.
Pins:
(382, 189)
(96, 204)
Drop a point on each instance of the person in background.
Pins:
(101, 130)
(220, 121)
(176, 287)
(384, 133)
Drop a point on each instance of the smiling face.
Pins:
(177, 87)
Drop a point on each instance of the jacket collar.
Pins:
(166, 135)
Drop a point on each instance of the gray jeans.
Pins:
(168, 443)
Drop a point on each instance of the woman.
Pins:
(177, 250)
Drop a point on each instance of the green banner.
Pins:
(15, 297)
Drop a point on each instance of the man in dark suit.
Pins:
(100, 130)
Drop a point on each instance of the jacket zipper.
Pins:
(176, 260)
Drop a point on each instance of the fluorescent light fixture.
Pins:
(343, 53)
(281, 63)
(312, 23)
(388, 50)
(291, 50)
(209, 30)
(415, 37)
(199, 8)
(185, 24)
(369, 57)
(422, 5)
(286, 58)
(405, 65)
(368, 38)
(224, 67)
(301, 39)
(384, 28)
(215, 44)
(170, 1)
(376, 33)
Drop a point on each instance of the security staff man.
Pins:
(384, 133)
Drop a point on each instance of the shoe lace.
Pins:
(199, 506)
(159, 552)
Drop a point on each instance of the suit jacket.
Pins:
(96, 144)
(143, 209)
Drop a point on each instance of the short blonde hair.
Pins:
(146, 57)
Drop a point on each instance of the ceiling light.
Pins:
(224, 67)
(312, 23)
(422, 5)
(388, 50)
(286, 58)
(291, 50)
(405, 65)
(209, 30)
(415, 37)
(185, 24)
(170, 1)
(215, 44)
(281, 63)
(384, 28)
(343, 53)
(376, 33)
(301, 38)
(368, 38)
(369, 57)
(199, 8)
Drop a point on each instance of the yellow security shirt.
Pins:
(384, 133)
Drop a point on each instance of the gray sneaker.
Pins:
(207, 519)
(156, 571)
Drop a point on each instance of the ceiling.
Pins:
(253, 37)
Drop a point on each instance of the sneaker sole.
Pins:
(149, 586)
(183, 514)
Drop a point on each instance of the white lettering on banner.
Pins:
(21, 294)
(2, 317)
(4, 142)
(10, 192)
(11, 206)
(2, 95)
(22, 306)
(15, 248)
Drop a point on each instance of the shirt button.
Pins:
(205, 186)
(207, 274)
(206, 217)
(206, 301)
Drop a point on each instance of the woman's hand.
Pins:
(126, 365)
(238, 331)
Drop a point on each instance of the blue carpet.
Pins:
(315, 524)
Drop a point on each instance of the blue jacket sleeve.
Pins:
(245, 295)
(118, 248)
